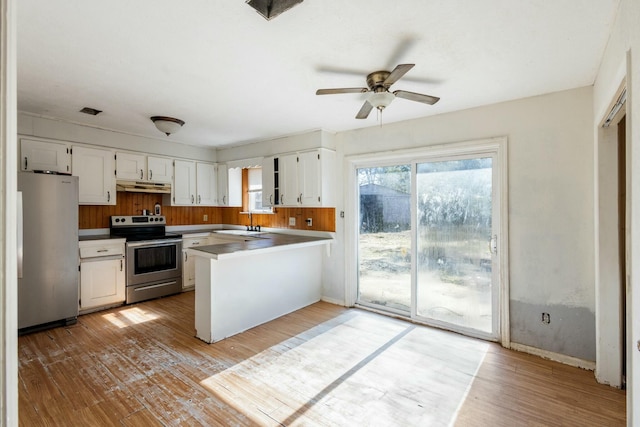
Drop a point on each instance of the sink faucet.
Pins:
(250, 227)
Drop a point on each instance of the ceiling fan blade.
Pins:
(412, 96)
(401, 50)
(364, 111)
(342, 90)
(397, 72)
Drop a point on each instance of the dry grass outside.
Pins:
(453, 286)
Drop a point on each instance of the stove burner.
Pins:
(138, 228)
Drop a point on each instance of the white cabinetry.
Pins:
(184, 183)
(131, 166)
(139, 167)
(206, 184)
(305, 179)
(44, 156)
(159, 169)
(229, 185)
(288, 179)
(268, 182)
(188, 262)
(194, 183)
(223, 185)
(95, 170)
(102, 273)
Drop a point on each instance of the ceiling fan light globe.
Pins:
(381, 100)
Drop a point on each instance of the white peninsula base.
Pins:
(235, 293)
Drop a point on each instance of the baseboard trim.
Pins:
(333, 301)
(556, 357)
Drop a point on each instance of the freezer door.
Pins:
(48, 289)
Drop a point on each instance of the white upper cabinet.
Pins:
(268, 182)
(229, 186)
(309, 178)
(184, 183)
(206, 184)
(159, 169)
(223, 185)
(234, 185)
(138, 167)
(288, 179)
(96, 178)
(44, 156)
(131, 166)
(304, 179)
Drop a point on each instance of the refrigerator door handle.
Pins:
(19, 236)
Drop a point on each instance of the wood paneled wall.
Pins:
(323, 219)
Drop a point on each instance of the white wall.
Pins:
(622, 58)
(65, 131)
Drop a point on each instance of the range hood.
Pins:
(143, 187)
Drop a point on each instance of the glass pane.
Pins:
(255, 179)
(454, 233)
(384, 246)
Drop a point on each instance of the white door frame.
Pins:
(8, 205)
(496, 145)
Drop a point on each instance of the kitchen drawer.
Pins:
(195, 241)
(102, 248)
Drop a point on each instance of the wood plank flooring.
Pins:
(324, 365)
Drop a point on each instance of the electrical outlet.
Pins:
(292, 221)
(546, 318)
(309, 222)
(205, 217)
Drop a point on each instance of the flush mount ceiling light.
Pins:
(166, 124)
(271, 8)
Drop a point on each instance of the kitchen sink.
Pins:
(239, 232)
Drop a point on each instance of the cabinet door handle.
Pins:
(120, 265)
(141, 173)
(192, 199)
(199, 199)
(150, 174)
(185, 257)
(102, 250)
(282, 199)
(26, 163)
(300, 198)
(224, 200)
(270, 199)
(108, 196)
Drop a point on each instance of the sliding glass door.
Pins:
(454, 237)
(427, 240)
(384, 237)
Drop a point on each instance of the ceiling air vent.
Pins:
(269, 9)
(90, 111)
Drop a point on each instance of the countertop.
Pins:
(98, 237)
(262, 241)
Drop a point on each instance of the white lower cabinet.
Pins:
(188, 262)
(102, 273)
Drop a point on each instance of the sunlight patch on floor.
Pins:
(365, 368)
(129, 316)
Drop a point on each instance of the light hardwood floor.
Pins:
(323, 365)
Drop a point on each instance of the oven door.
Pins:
(153, 261)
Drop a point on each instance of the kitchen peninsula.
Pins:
(254, 279)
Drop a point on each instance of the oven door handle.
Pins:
(151, 243)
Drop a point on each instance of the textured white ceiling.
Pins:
(234, 77)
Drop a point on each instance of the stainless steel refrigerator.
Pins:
(47, 250)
